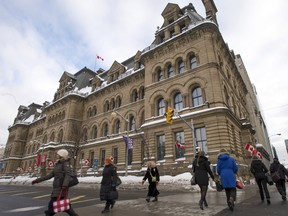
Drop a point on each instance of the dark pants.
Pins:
(262, 185)
(281, 187)
(51, 212)
(230, 192)
(152, 190)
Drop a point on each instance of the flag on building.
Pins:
(179, 145)
(259, 155)
(99, 57)
(249, 148)
(129, 142)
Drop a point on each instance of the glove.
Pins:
(142, 182)
(34, 181)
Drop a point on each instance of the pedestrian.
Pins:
(259, 170)
(201, 168)
(61, 173)
(108, 190)
(276, 166)
(153, 177)
(227, 169)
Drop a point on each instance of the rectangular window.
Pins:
(179, 139)
(115, 155)
(160, 147)
(103, 152)
(91, 158)
(130, 156)
(201, 140)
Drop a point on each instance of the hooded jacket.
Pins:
(227, 168)
(258, 169)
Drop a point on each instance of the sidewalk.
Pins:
(186, 204)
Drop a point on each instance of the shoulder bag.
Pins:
(73, 177)
(276, 175)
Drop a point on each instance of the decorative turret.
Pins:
(211, 10)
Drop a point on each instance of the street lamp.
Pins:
(272, 152)
(114, 114)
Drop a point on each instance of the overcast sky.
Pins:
(42, 39)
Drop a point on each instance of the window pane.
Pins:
(178, 105)
(201, 140)
(179, 137)
(160, 147)
(193, 62)
(181, 67)
(115, 155)
(170, 71)
(197, 97)
(161, 107)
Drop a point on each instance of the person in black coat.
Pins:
(201, 168)
(259, 170)
(153, 177)
(108, 190)
(61, 174)
(280, 184)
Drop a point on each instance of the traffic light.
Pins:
(169, 115)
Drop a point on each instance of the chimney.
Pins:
(211, 10)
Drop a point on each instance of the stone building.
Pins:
(188, 67)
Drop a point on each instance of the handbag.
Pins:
(61, 205)
(276, 176)
(118, 181)
(239, 184)
(269, 179)
(193, 180)
(73, 177)
(219, 186)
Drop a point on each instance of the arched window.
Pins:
(141, 92)
(134, 95)
(52, 137)
(161, 107)
(159, 75)
(132, 125)
(106, 106)
(181, 67)
(112, 104)
(60, 136)
(89, 113)
(197, 98)
(45, 139)
(170, 71)
(94, 111)
(118, 102)
(84, 135)
(117, 127)
(105, 129)
(193, 62)
(178, 102)
(94, 132)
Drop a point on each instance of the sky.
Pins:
(42, 39)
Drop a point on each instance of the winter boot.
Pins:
(155, 199)
(231, 204)
(112, 204)
(106, 209)
(147, 199)
(201, 204)
(205, 203)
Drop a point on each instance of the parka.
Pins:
(227, 168)
(276, 165)
(61, 173)
(108, 182)
(258, 169)
(201, 168)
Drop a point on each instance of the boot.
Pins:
(112, 204)
(205, 203)
(106, 209)
(268, 201)
(155, 199)
(201, 204)
(147, 199)
(231, 204)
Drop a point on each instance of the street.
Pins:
(24, 200)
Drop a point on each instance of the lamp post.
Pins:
(114, 114)
(271, 147)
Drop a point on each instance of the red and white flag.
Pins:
(249, 148)
(259, 155)
(99, 57)
(179, 145)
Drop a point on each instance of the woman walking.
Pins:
(259, 170)
(280, 184)
(61, 174)
(201, 168)
(153, 177)
(227, 168)
(108, 190)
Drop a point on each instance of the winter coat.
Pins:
(108, 182)
(201, 168)
(258, 169)
(151, 172)
(282, 170)
(227, 168)
(61, 173)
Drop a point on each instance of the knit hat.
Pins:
(63, 153)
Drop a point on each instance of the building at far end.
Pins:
(188, 67)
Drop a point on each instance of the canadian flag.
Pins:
(249, 148)
(179, 145)
(259, 155)
(99, 57)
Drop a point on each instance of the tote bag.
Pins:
(276, 176)
(61, 205)
(239, 184)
